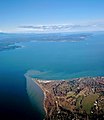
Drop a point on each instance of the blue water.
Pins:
(49, 60)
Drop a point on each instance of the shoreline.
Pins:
(43, 94)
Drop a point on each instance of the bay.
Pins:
(48, 60)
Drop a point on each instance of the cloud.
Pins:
(1, 31)
(47, 27)
(63, 27)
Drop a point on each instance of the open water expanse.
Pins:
(45, 60)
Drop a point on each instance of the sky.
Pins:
(51, 15)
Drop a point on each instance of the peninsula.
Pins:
(75, 99)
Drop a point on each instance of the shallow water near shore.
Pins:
(47, 60)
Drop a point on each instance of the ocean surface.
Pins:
(45, 60)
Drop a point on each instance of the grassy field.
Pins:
(78, 101)
(88, 102)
